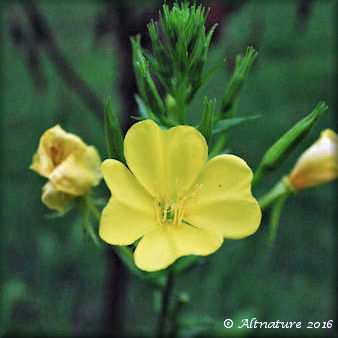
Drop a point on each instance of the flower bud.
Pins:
(71, 166)
(318, 164)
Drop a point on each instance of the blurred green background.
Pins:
(53, 278)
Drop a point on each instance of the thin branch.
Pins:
(44, 35)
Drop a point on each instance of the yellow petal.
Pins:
(78, 172)
(53, 199)
(165, 160)
(130, 212)
(55, 146)
(161, 247)
(124, 186)
(224, 202)
(318, 164)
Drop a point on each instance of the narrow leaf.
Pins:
(113, 133)
(226, 125)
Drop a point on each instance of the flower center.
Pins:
(171, 210)
(56, 154)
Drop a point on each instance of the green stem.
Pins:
(275, 216)
(92, 234)
(258, 175)
(219, 146)
(93, 209)
(281, 188)
(166, 293)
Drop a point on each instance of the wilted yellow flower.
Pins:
(318, 164)
(171, 198)
(71, 166)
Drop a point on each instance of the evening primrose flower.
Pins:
(71, 166)
(172, 199)
(318, 164)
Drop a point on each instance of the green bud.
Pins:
(281, 149)
(170, 103)
(177, 59)
(242, 67)
(113, 133)
(206, 124)
(145, 83)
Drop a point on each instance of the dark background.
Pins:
(60, 69)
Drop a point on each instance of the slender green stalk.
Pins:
(93, 209)
(219, 145)
(258, 175)
(275, 216)
(92, 234)
(281, 188)
(166, 293)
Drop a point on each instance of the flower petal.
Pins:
(124, 186)
(78, 172)
(168, 159)
(224, 202)
(53, 199)
(122, 224)
(161, 247)
(130, 212)
(318, 164)
(54, 147)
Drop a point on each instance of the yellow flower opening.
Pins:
(318, 164)
(71, 166)
(172, 199)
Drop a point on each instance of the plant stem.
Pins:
(93, 209)
(258, 175)
(219, 146)
(281, 188)
(116, 284)
(166, 293)
(275, 216)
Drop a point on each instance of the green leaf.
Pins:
(283, 147)
(226, 125)
(113, 133)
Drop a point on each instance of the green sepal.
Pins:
(113, 133)
(283, 147)
(206, 125)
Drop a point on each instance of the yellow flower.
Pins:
(318, 164)
(71, 166)
(171, 198)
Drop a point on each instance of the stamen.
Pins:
(171, 210)
(165, 210)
